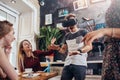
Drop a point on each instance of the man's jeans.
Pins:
(76, 71)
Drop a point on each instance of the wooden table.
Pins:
(42, 76)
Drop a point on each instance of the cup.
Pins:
(28, 70)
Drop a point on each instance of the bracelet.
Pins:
(80, 50)
(112, 34)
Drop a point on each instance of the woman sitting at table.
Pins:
(28, 58)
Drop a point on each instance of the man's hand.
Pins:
(73, 53)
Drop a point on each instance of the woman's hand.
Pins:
(53, 47)
(53, 40)
(7, 51)
(2, 74)
(90, 37)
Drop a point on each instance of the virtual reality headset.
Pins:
(69, 22)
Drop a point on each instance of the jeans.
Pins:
(76, 71)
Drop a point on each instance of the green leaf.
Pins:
(46, 34)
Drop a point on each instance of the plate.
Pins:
(30, 75)
(27, 72)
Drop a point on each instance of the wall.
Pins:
(94, 10)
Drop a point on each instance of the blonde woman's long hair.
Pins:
(21, 55)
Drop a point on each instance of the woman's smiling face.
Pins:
(9, 38)
(27, 46)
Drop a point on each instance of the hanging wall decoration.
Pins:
(63, 12)
(48, 19)
(80, 4)
(94, 1)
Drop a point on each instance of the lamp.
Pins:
(42, 3)
(13, 1)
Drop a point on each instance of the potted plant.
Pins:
(46, 34)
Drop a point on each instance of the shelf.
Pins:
(97, 61)
(43, 64)
(61, 62)
(93, 77)
(97, 76)
(52, 62)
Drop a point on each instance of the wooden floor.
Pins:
(87, 78)
(55, 78)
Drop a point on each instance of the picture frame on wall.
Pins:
(48, 19)
(59, 26)
(95, 1)
(62, 12)
(80, 4)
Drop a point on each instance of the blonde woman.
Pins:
(28, 58)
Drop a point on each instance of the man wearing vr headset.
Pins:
(75, 62)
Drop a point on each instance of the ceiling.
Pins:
(19, 6)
